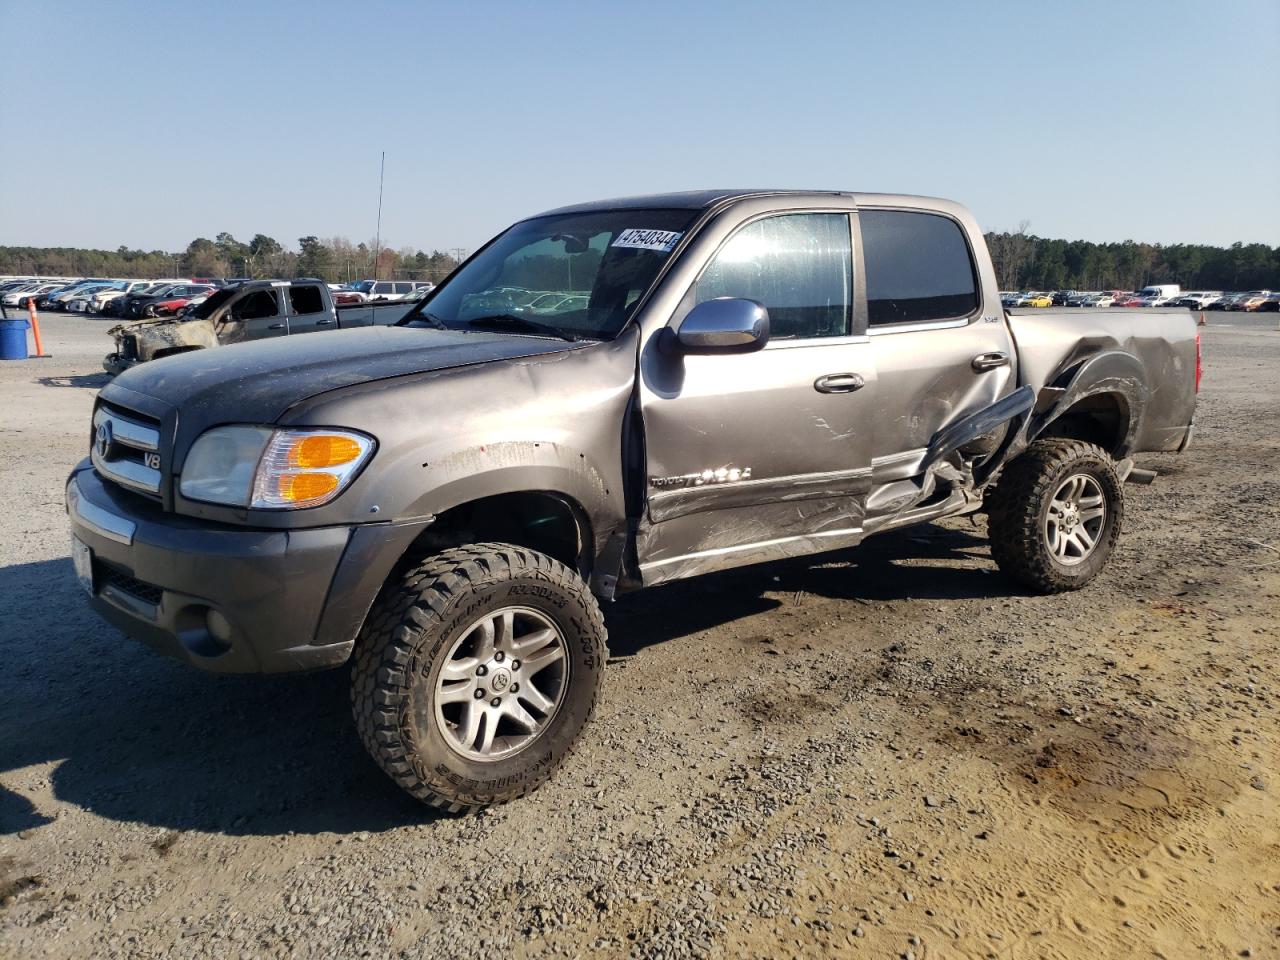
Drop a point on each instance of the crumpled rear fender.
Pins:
(1115, 373)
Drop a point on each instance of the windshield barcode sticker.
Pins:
(662, 240)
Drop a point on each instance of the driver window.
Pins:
(799, 266)
(259, 304)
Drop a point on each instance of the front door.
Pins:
(255, 316)
(767, 454)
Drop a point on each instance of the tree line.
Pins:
(1022, 260)
(335, 259)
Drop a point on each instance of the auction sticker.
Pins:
(661, 240)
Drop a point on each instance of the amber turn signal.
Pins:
(319, 450)
(305, 487)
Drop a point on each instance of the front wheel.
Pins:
(1055, 514)
(475, 673)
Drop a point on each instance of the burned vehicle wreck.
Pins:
(249, 310)
(730, 377)
(254, 310)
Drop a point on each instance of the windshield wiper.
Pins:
(423, 317)
(509, 321)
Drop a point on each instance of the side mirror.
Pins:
(725, 325)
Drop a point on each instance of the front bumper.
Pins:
(221, 598)
(115, 364)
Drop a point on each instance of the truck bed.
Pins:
(1053, 342)
(382, 314)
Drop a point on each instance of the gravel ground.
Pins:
(883, 752)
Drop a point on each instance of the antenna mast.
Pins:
(377, 240)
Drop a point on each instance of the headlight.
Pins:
(221, 465)
(273, 469)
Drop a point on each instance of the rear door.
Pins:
(307, 310)
(940, 352)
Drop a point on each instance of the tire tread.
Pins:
(421, 597)
(1014, 511)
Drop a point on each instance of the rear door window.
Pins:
(918, 266)
(404, 288)
(306, 300)
(383, 289)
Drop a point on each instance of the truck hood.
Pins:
(132, 326)
(257, 382)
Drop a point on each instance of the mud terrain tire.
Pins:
(408, 654)
(1026, 520)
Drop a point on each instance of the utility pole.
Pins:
(377, 241)
(459, 254)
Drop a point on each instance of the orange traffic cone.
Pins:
(1201, 323)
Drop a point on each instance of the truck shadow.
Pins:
(136, 738)
(922, 563)
(91, 381)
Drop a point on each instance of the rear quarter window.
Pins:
(918, 267)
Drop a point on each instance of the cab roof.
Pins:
(705, 199)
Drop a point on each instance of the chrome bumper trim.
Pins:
(100, 521)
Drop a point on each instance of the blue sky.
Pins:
(150, 123)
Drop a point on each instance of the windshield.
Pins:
(215, 300)
(578, 274)
(361, 286)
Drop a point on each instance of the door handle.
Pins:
(276, 326)
(839, 383)
(321, 323)
(989, 361)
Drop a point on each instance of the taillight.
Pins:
(1199, 365)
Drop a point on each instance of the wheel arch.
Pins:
(1101, 400)
(548, 521)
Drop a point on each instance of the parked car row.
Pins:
(366, 291)
(1162, 295)
(131, 299)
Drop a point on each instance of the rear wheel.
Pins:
(475, 673)
(1055, 515)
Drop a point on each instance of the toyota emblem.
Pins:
(102, 439)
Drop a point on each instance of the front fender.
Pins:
(548, 423)
(155, 336)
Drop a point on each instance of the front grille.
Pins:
(129, 347)
(112, 576)
(126, 449)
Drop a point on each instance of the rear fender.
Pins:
(1113, 372)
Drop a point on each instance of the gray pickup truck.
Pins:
(250, 310)
(733, 377)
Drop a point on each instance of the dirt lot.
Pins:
(887, 752)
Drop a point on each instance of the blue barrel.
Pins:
(13, 339)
